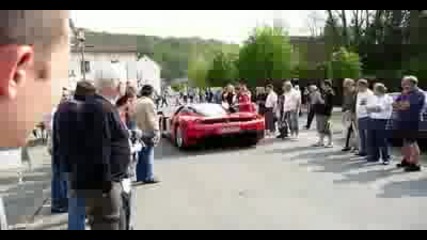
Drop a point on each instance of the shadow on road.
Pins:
(332, 162)
(58, 224)
(410, 188)
(288, 150)
(23, 200)
(167, 151)
(369, 176)
(36, 175)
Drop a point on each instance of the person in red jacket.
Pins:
(244, 101)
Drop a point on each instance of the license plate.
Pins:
(230, 130)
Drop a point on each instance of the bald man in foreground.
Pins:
(33, 52)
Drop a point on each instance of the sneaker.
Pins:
(329, 145)
(372, 160)
(413, 168)
(402, 164)
(152, 181)
(361, 154)
(346, 149)
(386, 162)
(57, 210)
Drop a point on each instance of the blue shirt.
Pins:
(411, 117)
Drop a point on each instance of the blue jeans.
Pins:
(144, 168)
(363, 124)
(377, 140)
(76, 212)
(59, 188)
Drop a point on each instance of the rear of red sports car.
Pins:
(245, 128)
(208, 123)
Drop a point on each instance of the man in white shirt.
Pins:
(270, 105)
(363, 97)
(380, 108)
(298, 90)
(291, 107)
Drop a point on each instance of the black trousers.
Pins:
(348, 136)
(310, 117)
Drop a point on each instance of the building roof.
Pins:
(106, 43)
(106, 49)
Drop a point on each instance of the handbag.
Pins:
(149, 139)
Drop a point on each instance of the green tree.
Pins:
(299, 62)
(344, 64)
(178, 87)
(223, 69)
(265, 55)
(197, 72)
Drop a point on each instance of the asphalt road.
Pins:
(275, 185)
(279, 185)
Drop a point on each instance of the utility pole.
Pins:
(81, 42)
(79, 36)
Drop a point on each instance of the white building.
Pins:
(139, 72)
(117, 54)
(148, 72)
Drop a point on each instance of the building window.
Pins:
(85, 66)
(114, 58)
(72, 74)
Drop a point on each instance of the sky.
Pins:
(226, 25)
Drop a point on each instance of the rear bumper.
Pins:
(214, 139)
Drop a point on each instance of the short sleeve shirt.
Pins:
(410, 118)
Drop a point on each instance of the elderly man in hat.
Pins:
(99, 171)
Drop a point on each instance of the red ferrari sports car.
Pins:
(194, 124)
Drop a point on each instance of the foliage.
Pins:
(265, 55)
(222, 70)
(173, 54)
(344, 64)
(198, 68)
(299, 62)
(389, 42)
(178, 87)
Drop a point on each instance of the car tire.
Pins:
(250, 142)
(179, 138)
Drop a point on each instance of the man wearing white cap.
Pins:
(98, 174)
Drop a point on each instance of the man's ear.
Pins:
(16, 63)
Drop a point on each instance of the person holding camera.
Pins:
(125, 107)
(323, 106)
(147, 121)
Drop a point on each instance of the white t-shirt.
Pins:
(271, 100)
(292, 100)
(363, 97)
(384, 103)
(48, 119)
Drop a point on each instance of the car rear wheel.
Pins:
(179, 137)
(250, 142)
